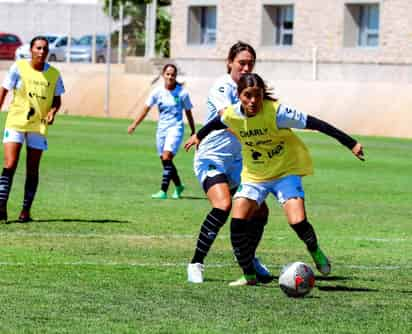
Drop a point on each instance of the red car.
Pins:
(8, 45)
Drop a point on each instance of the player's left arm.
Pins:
(287, 117)
(56, 104)
(57, 101)
(187, 106)
(189, 117)
(314, 123)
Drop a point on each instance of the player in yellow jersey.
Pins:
(37, 87)
(274, 161)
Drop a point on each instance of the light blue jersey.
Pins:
(170, 127)
(170, 105)
(220, 151)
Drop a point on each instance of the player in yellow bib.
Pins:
(36, 87)
(274, 160)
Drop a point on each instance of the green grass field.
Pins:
(102, 257)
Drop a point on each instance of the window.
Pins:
(277, 25)
(369, 25)
(361, 25)
(202, 25)
(10, 39)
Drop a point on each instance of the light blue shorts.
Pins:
(284, 188)
(169, 140)
(32, 139)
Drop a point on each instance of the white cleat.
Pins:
(195, 272)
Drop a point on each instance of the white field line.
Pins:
(169, 236)
(178, 265)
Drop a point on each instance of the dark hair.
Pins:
(38, 38)
(169, 65)
(238, 48)
(175, 68)
(254, 80)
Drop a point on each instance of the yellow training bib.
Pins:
(33, 99)
(268, 153)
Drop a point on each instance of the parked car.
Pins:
(83, 50)
(8, 45)
(57, 48)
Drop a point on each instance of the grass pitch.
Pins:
(102, 257)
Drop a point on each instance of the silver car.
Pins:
(82, 51)
(57, 48)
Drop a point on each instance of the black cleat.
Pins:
(24, 216)
(3, 214)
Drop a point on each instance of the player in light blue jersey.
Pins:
(171, 100)
(218, 164)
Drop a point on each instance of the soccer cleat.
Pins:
(322, 262)
(245, 280)
(195, 272)
(160, 195)
(24, 216)
(263, 274)
(178, 192)
(3, 214)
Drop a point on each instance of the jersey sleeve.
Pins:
(59, 87)
(220, 96)
(186, 102)
(287, 117)
(12, 78)
(152, 98)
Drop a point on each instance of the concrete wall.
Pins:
(368, 108)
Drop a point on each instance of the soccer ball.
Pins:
(296, 279)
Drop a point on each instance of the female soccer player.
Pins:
(275, 160)
(37, 89)
(218, 164)
(171, 99)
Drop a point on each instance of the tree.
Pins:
(134, 30)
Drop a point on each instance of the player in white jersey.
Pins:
(218, 164)
(171, 99)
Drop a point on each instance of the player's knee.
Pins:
(225, 204)
(262, 213)
(296, 219)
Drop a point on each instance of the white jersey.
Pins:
(220, 151)
(13, 80)
(170, 105)
(222, 94)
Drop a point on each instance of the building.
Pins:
(349, 40)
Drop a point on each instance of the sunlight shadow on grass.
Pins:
(345, 288)
(70, 220)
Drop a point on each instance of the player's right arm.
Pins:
(215, 124)
(138, 119)
(3, 93)
(9, 82)
(151, 101)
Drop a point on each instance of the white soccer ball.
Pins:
(296, 279)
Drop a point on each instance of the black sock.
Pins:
(175, 176)
(167, 174)
(255, 230)
(208, 232)
(241, 245)
(30, 188)
(307, 234)
(6, 180)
